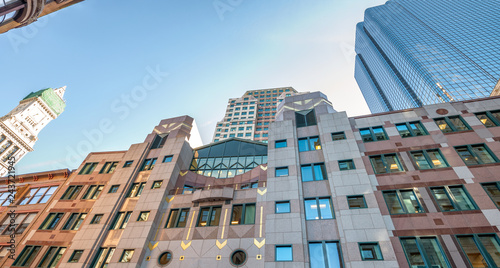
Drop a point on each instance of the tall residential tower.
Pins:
(412, 53)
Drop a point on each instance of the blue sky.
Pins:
(197, 53)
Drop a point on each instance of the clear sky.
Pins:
(192, 55)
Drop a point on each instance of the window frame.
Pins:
(70, 193)
(425, 258)
(451, 125)
(138, 192)
(280, 142)
(400, 201)
(27, 199)
(338, 133)
(410, 130)
(123, 255)
(282, 246)
(97, 217)
(372, 134)
(25, 257)
(8, 228)
(425, 153)
(108, 254)
(114, 186)
(318, 209)
(243, 214)
(376, 248)
(109, 167)
(177, 217)
(309, 144)
(480, 246)
(281, 168)
(155, 182)
(471, 152)
(282, 202)
(168, 157)
(88, 168)
(312, 165)
(148, 164)
(128, 163)
(452, 198)
(386, 166)
(324, 250)
(304, 114)
(147, 212)
(497, 184)
(72, 257)
(346, 161)
(120, 222)
(52, 258)
(491, 117)
(209, 219)
(93, 192)
(356, 196)
(57, 217)
(76, 224)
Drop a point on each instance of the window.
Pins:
(452, 198)
(451, 124)
(424, 252)
(370, 251)
(209, 216)
(243, 214)
(309, 144)
(75, 257)
(27, 256)
(411, 129)
(324, 254)
(281, 171)
(336, 136)
(282, 207)
(168, 158)
(482, 250)
(280, 144)
(121, 220)
(108, 167)
(305, 118)
(128, 163)
(475, 154)
(97, 219)
(373, 134)
(51, 221)
(284, 253)
(356, 201)
(52, 257)
(136, 189)
(313, 172)
(428, 159)
(87, 168)
(159, 141)
(21, 223)
(156, 184)
(177, 218)
(6, 198)
(346, 164)
(93, 192)
(143, 216)
(319, 208)
(165, 258)
(386, 163)
(489, 119)
(240, 134)
(103, 258)
(74, 221)
(238, 257)
(148, 164)
(113, 188)
(402, 202)
(38, 195)
(248, 134)
(72, 192)
(493, 190)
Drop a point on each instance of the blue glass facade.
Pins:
(416, 52)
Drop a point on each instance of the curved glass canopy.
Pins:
(228, 158)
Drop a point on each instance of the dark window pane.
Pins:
(412, 253)
(379, 133)
(433, 252)
(442, 199)
(494, 192)
(410, 202)
(443, 126)
(378, 164)
(491, 245)
(420, 160)
(473, 253)
(249, 214)
(391, 198)
(237, 214)
(458, 123)
(466, 156)
(487, 122)
(403, 130)
(483, 154)
(461, 198)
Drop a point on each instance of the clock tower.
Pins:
(20, 127)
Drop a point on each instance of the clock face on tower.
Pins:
(36, 114)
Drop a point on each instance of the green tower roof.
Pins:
(48, 95)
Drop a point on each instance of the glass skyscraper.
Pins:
(416, 52)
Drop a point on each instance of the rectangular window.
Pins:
(336, 136)
(156, 184)
(38, 195)
(284, 253)
(75, 257)
(6, 198)
(21, 223)
(72, 192)
(113, 189)
(148, 164)
(428, 159)
(209, 216)
(74, 221)
(451, 124)
(93, 192)
(177, 218)
(346, 164)
(136, 189)
(103, 258)
(370, 251)
(313, 172)
(51, 221)
(280, 144)
(282, 207)
(309, 144)
(168, 158)
(319, 208)
(476, 154)
(121, 220)
(411, 129)
(281, 171)
(128, 163)
(373, 134)
(127, 255)
(402, 202)
(52, 257)
(424, 252)
(96, 219)
(108, 167)
(489, 119)
(27, 256)
(453, 198)
(143, 216)
(493, 190)
(159, 141)
(482, 250)
(243, 214)
(305, 118)
(386, 163)
(88, 168)
(356, 201)
(324, 254)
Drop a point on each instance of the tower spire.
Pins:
(60, 92)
